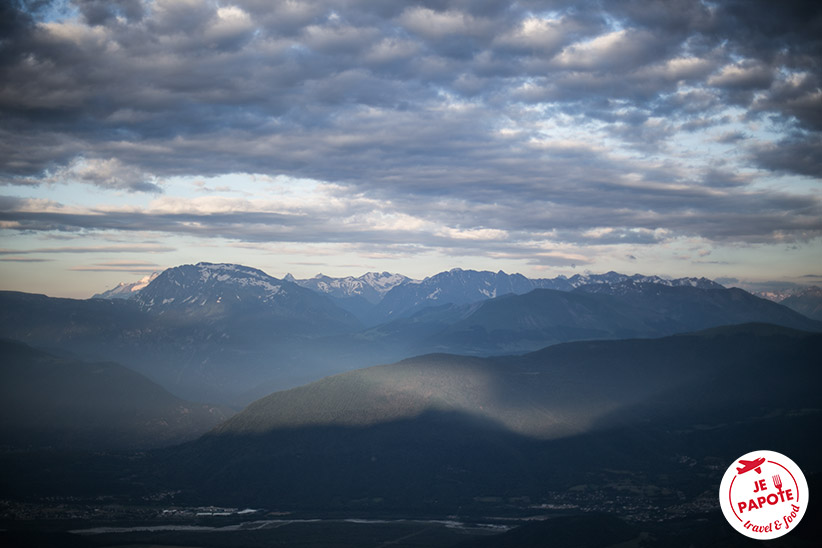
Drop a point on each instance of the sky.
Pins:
(673, 138)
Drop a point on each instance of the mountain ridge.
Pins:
(59, 403)
(525, 427)
(215, 288)
(371, 286)
(458, 383)
(521, 323)
(375, 285)
(807, 302)
(375, 298)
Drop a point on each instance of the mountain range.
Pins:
(362, 296)
(231, 334)
(521, 323)
(376, 297)
(459, 287)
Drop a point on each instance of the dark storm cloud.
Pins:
(438, 108)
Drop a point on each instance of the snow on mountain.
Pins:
(245, 299)
(456, 286)
(614, 282)
(209, 284)
(374, 296)
(615, 278)
(371, 286)
(127, 290)
(459, 287)
(385, 281)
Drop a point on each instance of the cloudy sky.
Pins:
(672, 137)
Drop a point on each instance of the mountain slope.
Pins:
(371, 286)
(455, 286)
(359, 295)
(460, 287)
(549, 393)
(521, 323)
(46, 401)
(56, 323)
(240, 293)
(807, 302)
(614, 278)
(462, 430)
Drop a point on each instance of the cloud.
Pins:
(450, 33)
(631, 210)
(797, 96)
(459, 125)
(541, 37)
(12, 259)
(98, 12)
(742, 76)
(610, 51)
(798, 153)
(124, 248)
(110, 173)
(119, 266)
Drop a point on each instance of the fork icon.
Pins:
(777, 482)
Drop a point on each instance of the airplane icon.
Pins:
(748, 465)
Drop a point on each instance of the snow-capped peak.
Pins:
(209, 284)
(125, 290)
(371, 286)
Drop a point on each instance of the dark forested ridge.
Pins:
(48, 402)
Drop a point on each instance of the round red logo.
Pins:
(763, 495)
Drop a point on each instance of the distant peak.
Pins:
(125, 290)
